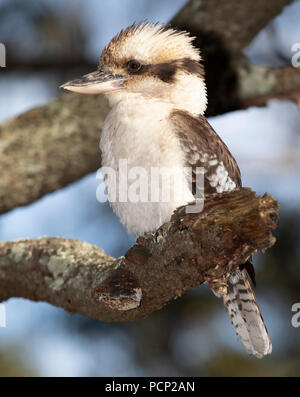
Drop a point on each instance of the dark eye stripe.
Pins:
(166, 71)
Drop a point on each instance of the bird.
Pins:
(154, 79)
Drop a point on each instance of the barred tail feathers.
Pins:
(245, 315)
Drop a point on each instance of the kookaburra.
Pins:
(154, 81)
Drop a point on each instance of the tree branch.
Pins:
(235, 23)
(181, 255)
(258, 84)
(49, 147)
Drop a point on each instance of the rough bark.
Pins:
(182, 254)
(258, 84)
(49, 147)
(235, 23)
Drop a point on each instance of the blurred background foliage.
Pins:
(49, 42)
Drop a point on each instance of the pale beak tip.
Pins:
(69, 87)
(64, 86)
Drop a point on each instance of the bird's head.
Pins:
(152, 61)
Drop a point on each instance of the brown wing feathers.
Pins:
(204, 148)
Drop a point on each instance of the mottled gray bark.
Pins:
(235, 23)
(185, 252)
(258, 84)
(49, 147)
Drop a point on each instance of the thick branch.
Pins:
(235, 23)
(185, 252)
(258, 84)
(49, 147)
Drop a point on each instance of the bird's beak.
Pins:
(98, 82)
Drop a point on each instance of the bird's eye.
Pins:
(133, 65)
